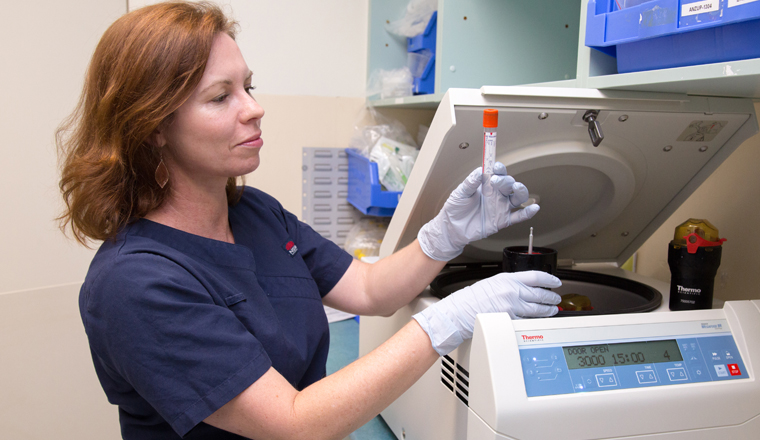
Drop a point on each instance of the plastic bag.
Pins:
(422, 132)
(395, 161)
(416, 18)
(418, 61)
(371, 126)
(395, 83)
(365, 237)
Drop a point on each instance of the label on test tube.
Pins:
(490, 122)
(489, 152)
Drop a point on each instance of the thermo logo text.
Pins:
(689, 291)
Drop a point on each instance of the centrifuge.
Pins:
(607, 168)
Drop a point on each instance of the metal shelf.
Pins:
(418, 101)
(733, 79)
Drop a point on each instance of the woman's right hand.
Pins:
(451, 321)
(475, 211)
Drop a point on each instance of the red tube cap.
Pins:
(490, 118)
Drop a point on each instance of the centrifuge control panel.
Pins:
(559, 362)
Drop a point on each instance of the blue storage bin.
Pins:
(661, 34)
(364, 189)
(425, 83)
(425, 40)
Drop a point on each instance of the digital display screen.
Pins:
(626, 353)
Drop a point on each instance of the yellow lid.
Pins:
(575, 302)
(701, 227)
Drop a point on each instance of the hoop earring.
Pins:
(162, 173)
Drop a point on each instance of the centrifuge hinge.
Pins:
(594, 127)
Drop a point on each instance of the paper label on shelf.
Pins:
(702, 131)
(732, 3)
(700, 7)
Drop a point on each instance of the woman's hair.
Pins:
(146, 65)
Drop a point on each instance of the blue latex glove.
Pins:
(474, 211)
(451, 321)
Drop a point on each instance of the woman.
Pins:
(204, 304)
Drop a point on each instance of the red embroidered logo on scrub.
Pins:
(291, 248)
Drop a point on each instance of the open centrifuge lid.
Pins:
(598, 204)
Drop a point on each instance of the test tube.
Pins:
(490, 122)
(530, 241)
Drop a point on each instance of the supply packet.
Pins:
(395, 161)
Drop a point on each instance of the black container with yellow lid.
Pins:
(694, 258)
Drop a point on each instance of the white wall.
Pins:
(49, 387)
(45, 54)
(301, 47)
(48, 383)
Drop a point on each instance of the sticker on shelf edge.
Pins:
(700, 7)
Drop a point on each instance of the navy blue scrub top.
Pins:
(179, 324)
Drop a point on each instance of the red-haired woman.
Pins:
(204, 304)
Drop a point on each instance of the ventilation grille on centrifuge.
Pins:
(456, 378)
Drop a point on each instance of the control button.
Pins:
(734, 370)
(721, 370)
(542, 361)
(546, 377)
(646, 376)
(587, 382)
(677, 374)
(546, 373)
(606, 380)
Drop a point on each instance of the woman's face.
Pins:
(216, 133)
